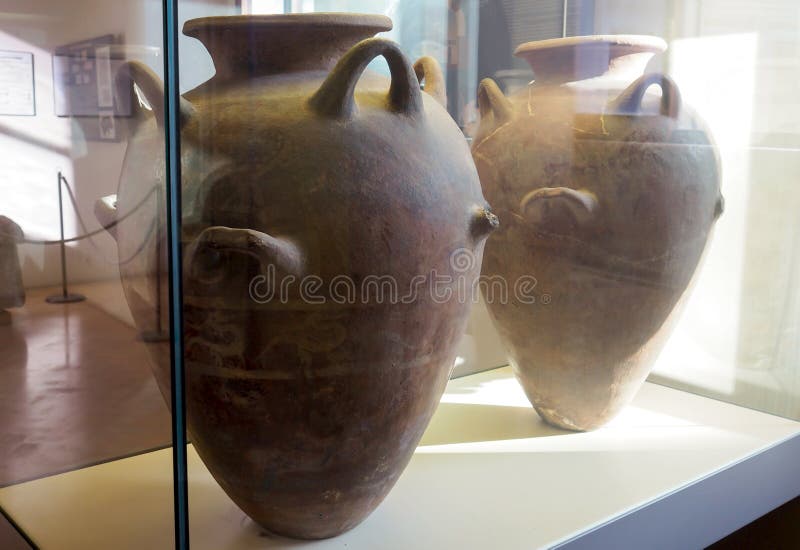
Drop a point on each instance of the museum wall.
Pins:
(735, 64)
(36, 148)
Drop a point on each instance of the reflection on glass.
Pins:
(75, 387)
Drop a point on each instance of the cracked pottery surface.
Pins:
(608, 193)
(295, 166)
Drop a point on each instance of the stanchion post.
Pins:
(65, 297)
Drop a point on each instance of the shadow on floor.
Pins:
(468, 423)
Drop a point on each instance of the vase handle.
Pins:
(629, 102)
(492, 101)
(152, 88)
(105, 210)
(283, 255)
(558, 208)
(428, 71)
(335, 96)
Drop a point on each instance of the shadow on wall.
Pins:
(36, 148)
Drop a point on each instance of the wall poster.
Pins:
(17, 95)
(84, 75)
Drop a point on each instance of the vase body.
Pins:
(12, 290)
(608, 193)
(315, 354)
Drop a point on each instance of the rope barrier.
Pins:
(89, 234)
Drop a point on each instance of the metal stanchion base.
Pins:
(62, 299)
(153, 336)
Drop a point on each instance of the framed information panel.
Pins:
(84, 75)
(17, 94)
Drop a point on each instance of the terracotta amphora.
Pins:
(608, 192)
(320, 206)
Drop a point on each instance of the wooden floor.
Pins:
(10, 539)
(75, 389)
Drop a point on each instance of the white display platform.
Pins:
(487, 474)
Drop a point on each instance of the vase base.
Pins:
(557, 420)
(308, 535)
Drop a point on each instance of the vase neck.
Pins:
(563, 60)
(246, 46)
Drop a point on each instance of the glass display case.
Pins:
(397, 274)
(76, 392)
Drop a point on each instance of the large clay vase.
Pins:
(316, 213)
(608, 193)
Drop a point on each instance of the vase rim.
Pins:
(632, 43)
(378, 23)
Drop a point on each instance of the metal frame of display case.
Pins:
(173, 175)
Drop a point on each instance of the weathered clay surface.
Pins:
(12, 292)
(307, 411)
(607, 196)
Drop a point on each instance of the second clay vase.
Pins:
(608, 192)
(317, 205)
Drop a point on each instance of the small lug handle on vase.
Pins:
(492, 101)
(105, 211)
(558, 208)
(135, 73)
(429, 72)
(629, 102)
(284, 255)
(335, 97)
